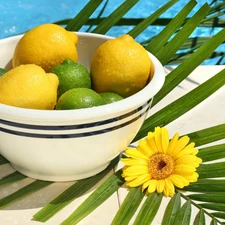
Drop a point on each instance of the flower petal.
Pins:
(192, 178)
(173, 143)
(151, 141)
(198, 161)
(186, 159)
(178, 180)
(188, 150)
(180, 145)
(135, 170)
(160, 186)
(166, 191)
(139, 180)
(152, 186)
(169, 187)
(184, 168)
(145, 148)
(134, 153)
(158, 139)
(146, 184)
(130, 178)
(165, 139)
(132, 162)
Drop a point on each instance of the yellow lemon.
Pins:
(120, 65)
(46, 45)
(29, 86)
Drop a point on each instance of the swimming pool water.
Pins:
(18, 16)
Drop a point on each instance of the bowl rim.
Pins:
(125, 105)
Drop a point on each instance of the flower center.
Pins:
(160, 166)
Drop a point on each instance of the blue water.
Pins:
(18, 16)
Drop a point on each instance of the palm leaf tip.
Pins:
(175, 214)
(103, 192)
(82, 17)
(114, 17)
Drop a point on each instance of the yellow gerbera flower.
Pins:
(159, 164)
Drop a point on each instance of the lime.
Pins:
(71, 75)
(2, 71)
(110, 97)
(78, 98)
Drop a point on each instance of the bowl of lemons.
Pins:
(70, 102)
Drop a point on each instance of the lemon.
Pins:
(46, 45)
(120, 65)
(2, 71)
(71, 75)
(29, 86)
(110, 97)
(78, 98)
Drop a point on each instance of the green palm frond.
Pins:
(172, 209)
(141, 26)
(83, 16)
(30, 188)
(73, 192)
(129, 206)
(207, 194)
(13, 177)
(3, 160)
(212, 192)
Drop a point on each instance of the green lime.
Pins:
(71, 75)
(2, 71)
(69, 61)
(110, 97)
(78, 98)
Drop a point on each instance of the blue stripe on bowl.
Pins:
(75, 126)
(77, 135)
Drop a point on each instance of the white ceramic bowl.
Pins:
(72, 144)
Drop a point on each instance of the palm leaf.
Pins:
(103, 192)
(171, 210)
(213, 206)
(149, 209)
(3, 160)
(179, 74)
(206, 185)
(99, 15)
(213, 222)
(160, 40)
(207, 193)
(73, 192)
(34, 186)
(200, 218)
(128, 207)
(83, 210)
(167, 51)
(182, 105)
(81, 18)
(208, 135)
(212, 170)
(141, 26)
(208, 22)
(209, 197)
(13, 177)
(183, 216)
(212, 152)
(114, 17)
(218, 7)
(219, 215)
